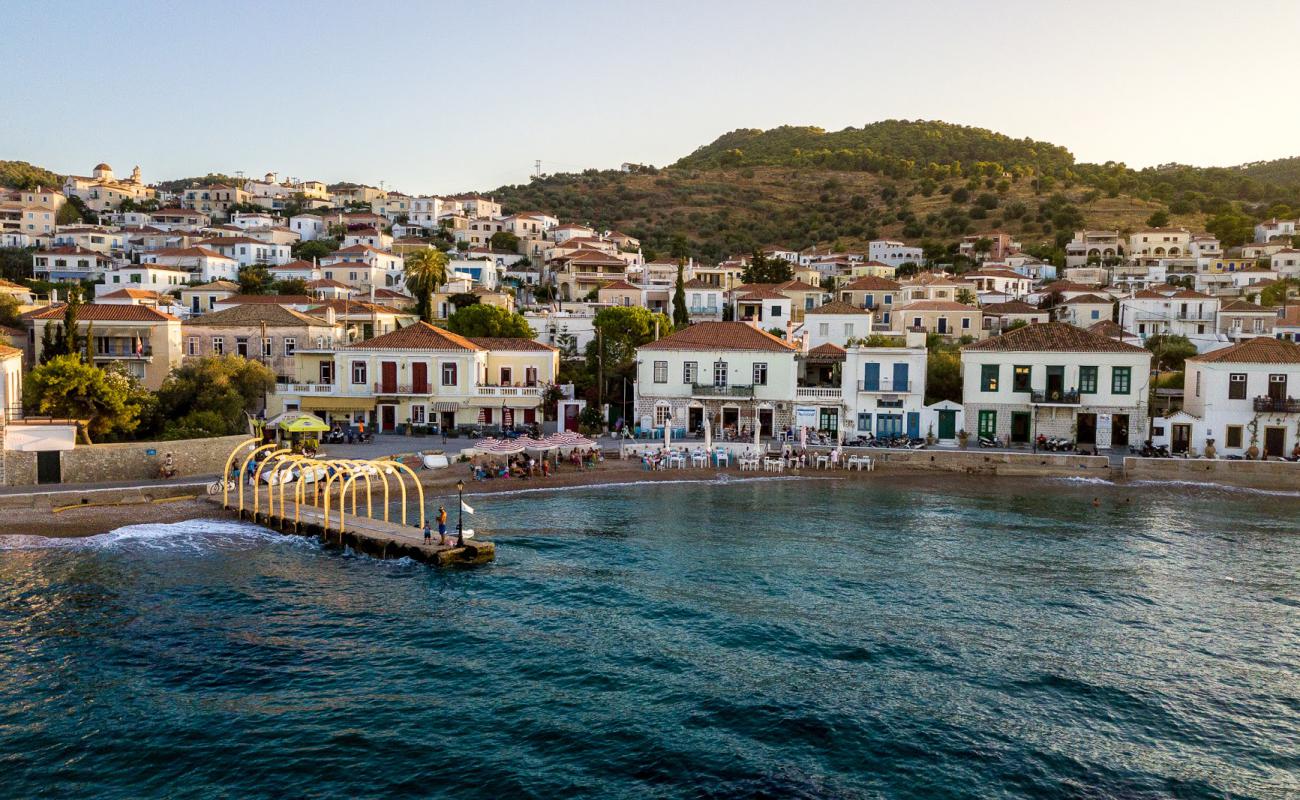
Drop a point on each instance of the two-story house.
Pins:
(943, 317)
(271, 334)
(1180, 312)
(884, 391)
(147, 342)
(424, 375)
(732, 372)
(1240, 396)
(1056, 380)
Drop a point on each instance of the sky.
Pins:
(432, 97)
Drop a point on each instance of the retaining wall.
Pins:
(986, 462)
(101, 463)
(1252, 474)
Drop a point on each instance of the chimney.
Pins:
(789, 330)
(330, 316)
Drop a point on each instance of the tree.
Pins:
(1015, 325)
(67, 215)
(255, 279)
(313, 249)
(611, 355)
(1231, 227)
(942, 375)
(1169, 351)
(9, 314)
(1158, 219)
(762, 269)
(64, 387)
(504, 240)
(461, 299)
(210, 396)
(1276, 293)
(292, 286)
(426, 270)
(681, 317)
(491, 321)
(966, 297)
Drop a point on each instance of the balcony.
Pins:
(307, 388)
(1277, 405)
(508, 391)
(817, 393)
(733, 390)
(885, 386)
(712, 310)
(123, 354)
(1055, 397)
(403, 388)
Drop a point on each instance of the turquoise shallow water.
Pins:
(777, 639)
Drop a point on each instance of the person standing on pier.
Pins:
(428, 532)
(442, 524)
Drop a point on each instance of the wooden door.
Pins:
(388, 418)
(1274, 442)
(420, 377)
(388, 377)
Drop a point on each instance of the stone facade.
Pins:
(98, 463)
(1059, 421)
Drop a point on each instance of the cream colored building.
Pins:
(424, 375)
(267, 333)
(146, 341)
(102, 191)
(11, 384)
(944, 317)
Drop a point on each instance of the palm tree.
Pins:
(426, 270)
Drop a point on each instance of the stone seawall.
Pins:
(102, 463)
(987, 462)
(1282, 475)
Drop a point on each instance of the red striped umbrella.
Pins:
(482, 416)
(499, 447)
(507, 417)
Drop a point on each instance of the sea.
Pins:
(911, 637)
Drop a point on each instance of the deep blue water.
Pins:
(761, 639)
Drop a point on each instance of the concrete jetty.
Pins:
(373, 537)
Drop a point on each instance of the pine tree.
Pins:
(680, 316)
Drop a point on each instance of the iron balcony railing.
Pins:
(1278, 405)
(732, 390)
(885, 386)
(1055, 397)
(402, 388)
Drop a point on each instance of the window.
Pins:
(266, 347)
(848, 330)
(662, 415)
(864, 422)
(988, 424)
(449, 373)
(760, 374)
(720, 373)
(988, 377)
(290, 345)
(507, 376)
(916, 322)
(1121, 379)
(358, 372)
(661, 372)
(218, 346)
(774, 311)
(1087, 380)
(1232, 436)
(1236, 386)
(823, 329)
(417, 414)
(689, 370)
(1020, 378)
(965, 323)
(530, 376)
(192, 346)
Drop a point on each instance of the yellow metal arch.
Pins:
(225, 476)
(418, 487)
(243, 468)
(353, 469)
(257, 478)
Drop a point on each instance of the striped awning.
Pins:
(445, 406)
(482, 416)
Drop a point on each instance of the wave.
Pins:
(1087, 480)
(1207, 485)
(192, 535)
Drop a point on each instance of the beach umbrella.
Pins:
(757, 446)
(507, 416)
(498, 447)
(540, 445)
(803, 437)
(708, 431)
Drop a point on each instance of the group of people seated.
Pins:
(526, 466)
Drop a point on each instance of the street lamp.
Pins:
(460, 514)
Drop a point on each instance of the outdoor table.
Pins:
(699, 460)
(773, 465)
(823, 461)
(722, 458)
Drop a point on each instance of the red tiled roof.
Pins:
(105, 312)
(510, 343)
(623, 286)
(1260, 350)
(837, 307)
(872, 283)
(420, 336)
(937, 305)
(721, 336)
(1011, 307)
(1053, 337)
(277, 299)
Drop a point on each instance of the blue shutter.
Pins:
(900, 377)
(871, 381)
(914, 424)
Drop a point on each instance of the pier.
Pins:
(307, 496)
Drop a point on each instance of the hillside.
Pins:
(925, 182)
(21, 175)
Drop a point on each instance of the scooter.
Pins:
(986, 441)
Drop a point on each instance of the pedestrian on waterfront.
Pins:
(1096, 502)
(442, 525)
(428, 532)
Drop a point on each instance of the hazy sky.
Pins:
(440, 97)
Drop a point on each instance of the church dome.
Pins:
(104, 167)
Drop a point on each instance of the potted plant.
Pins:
(1252, 452)
(929, 436)
(962, 438)
(1210, 450)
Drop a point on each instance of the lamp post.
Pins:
(460, 513)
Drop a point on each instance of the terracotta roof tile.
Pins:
(273, 299)
(872, 283)
(1260, 350)
(510, 343)
(837, 307)
(420, 336)
(721, 336)
(106, 312)
(1053, 337)
(1011, 307)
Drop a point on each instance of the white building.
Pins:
(152, 277)
(309, 227)
(1180, 312)
(1093, 247)
(1239, 396)
(895, 254)
(732, 372)
(1275, 229)
(204, 263)
(248, 251)
(836, 322)
(1056, 380)
(884, 391)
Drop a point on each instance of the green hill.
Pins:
(21, 175)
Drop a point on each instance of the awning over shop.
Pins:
(445, 406)
(337, 403)
(297, 422)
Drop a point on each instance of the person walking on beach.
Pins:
(442, 525)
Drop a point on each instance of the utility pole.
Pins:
(537, 168)
(600, 368)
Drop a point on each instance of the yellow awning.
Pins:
(337, 403)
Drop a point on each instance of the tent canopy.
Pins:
(297, 422)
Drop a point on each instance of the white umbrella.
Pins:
(668, 433)
(757, 446)
(708, 431)
(803, 437)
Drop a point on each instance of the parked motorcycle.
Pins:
(987, 441)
